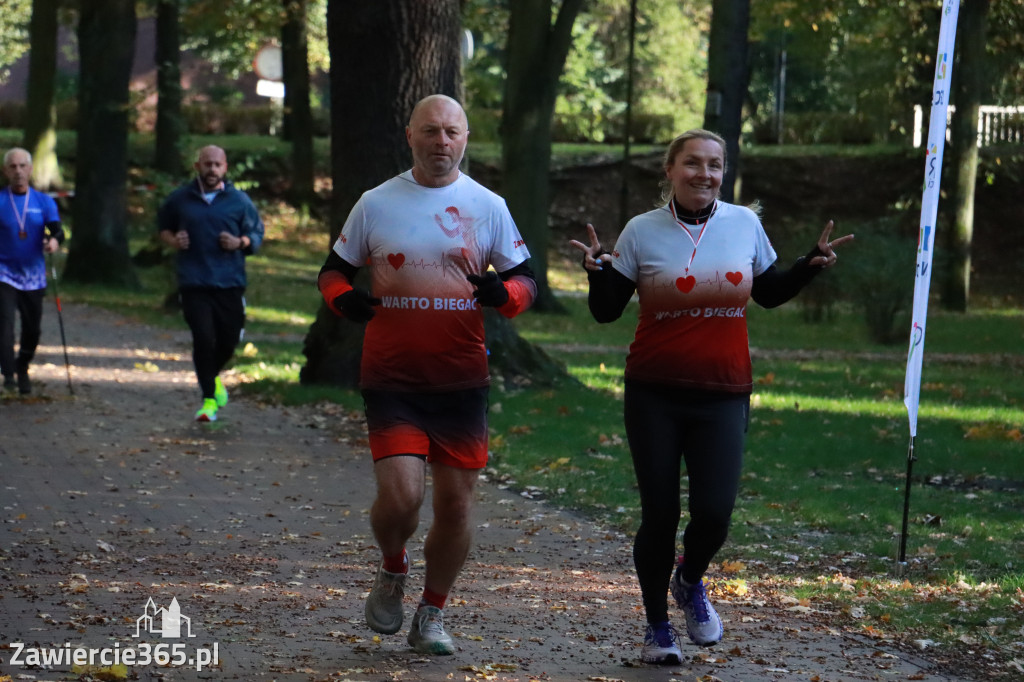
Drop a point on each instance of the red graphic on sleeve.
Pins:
(686, 284)
(734, 277)
(396, 259)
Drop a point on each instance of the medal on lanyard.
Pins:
(19, 217)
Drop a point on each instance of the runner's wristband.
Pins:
(521, 292)
(333, 284)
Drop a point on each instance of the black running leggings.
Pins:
(665, 427)
(29, 305)
(216, 318)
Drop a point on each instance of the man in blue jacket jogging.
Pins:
(214, 227)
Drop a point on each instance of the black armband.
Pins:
(339, 264)
(54, 230)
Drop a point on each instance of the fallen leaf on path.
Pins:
(112, 673)
(735, 587)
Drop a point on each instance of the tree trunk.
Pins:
(728, 74)
(415, 48)
(535, 54)
(415, 53)
(967, 79)
(99, 248)
(170, 124)
(297, 114)
(41, 109)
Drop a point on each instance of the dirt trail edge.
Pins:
(255, 527)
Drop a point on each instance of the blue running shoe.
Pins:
(661, 645)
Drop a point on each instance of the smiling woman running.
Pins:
(694, 262)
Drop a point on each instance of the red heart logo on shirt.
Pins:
(734, 277)
(396, 259)
(685, 284)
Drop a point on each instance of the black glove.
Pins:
(490, 290)
(357, 305)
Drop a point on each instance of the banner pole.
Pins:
(901, 562)
(937, 125)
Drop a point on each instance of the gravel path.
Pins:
(257, 525)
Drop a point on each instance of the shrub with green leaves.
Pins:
(881, 284)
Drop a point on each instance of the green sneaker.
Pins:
(220, 394)
(208, 412)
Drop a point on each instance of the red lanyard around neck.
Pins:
(686, 230)
(20, 217)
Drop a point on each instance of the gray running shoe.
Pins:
(427, 635)
(702, 621)
(384, 604)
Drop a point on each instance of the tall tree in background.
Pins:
(41, 107)
(967, 76)
(669, 68)
(728, 75)
(228, 35)
(535, 57)
(170, 123)
(385, 56)
(106, 40)
(298, 117)
(17, 15)
(420, 56)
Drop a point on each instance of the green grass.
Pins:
(823, 488)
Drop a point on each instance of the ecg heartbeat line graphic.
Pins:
(457, 263)
(717, 281)
(423, 264)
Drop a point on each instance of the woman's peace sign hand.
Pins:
(593, 256)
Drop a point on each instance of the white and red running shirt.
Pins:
(693, 282)
(419, 244)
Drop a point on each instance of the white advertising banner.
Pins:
(930, 207)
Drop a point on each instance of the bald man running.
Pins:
(213, 226)
(428, 237)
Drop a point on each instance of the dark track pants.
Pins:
(666, 427)
(29, 306)
(216, 318)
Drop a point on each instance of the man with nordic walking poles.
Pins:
(30, 229)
